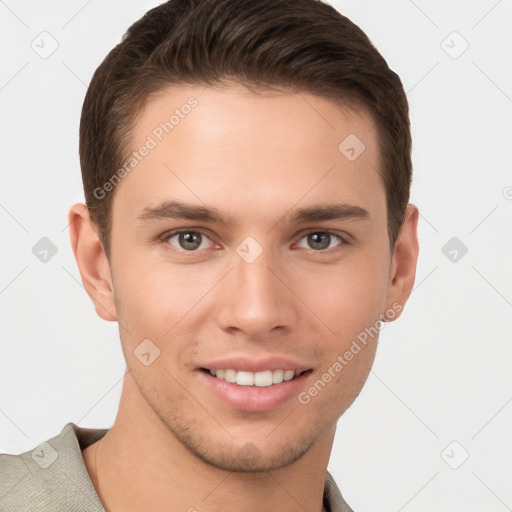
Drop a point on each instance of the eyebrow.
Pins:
(179, 210)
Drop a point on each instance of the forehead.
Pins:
(229, 147)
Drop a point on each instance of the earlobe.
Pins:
(92, 261)
(403, 266)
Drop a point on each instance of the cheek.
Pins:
(159, 301)
(156, 292)
(347, 297)
(348, 303)
(337, 384)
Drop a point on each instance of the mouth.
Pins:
(253, 384)
(261, 379)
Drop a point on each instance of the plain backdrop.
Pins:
(431, 429)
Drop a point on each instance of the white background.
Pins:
(442, 372)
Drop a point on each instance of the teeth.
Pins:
(289, 374)
(229, 375)
(277, 376)
(243, 378)
(260, 379)
(263, 379)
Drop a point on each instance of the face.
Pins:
(251, 253)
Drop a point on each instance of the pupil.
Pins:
(190, 240)
(320, 240)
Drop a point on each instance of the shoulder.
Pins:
(333, 500)
(52, 476)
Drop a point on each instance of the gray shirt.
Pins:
(53, 477)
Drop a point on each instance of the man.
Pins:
(246, 167)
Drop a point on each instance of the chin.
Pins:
(251, 459)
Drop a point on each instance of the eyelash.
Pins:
(169, 234)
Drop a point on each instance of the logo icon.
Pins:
(45, 455)
(454, 45)
(351, 147)
(45, 45)
(454, 249)
(146, 352)
(249, 249)
(455, 455)
(44, 250)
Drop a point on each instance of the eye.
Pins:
(321, 240)
(192, 241)
(189, 241)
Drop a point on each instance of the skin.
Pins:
(256, 158)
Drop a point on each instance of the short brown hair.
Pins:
(302, 45)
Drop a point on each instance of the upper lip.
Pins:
(253, 364)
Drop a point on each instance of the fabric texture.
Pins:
(52, 477)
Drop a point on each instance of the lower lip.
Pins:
(254, 398)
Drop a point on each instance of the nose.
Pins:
(255, 299)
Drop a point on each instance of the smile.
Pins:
(261, 379)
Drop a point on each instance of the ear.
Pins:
(92, 261)
(403, 264)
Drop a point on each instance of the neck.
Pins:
(140, 465)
